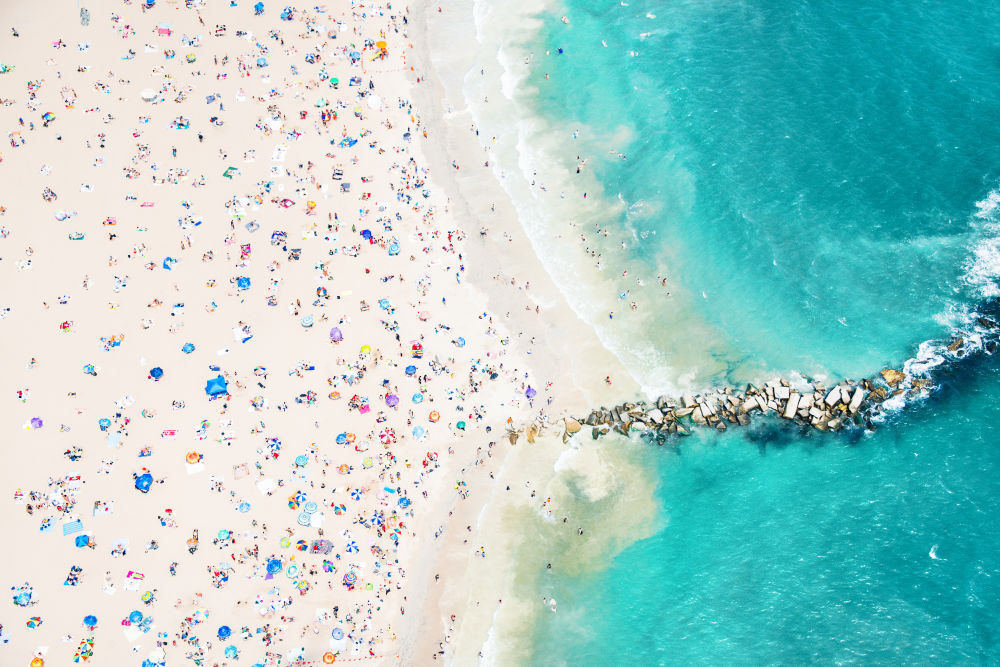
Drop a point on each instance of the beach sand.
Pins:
(236, 236)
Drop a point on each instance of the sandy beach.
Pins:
(271, 342)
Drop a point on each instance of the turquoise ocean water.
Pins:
(818, 182)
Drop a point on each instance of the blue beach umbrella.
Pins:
(404, 502)
(90, 621)
(243, 507)
(419, 431)
(274, 566)
(156, 373)
(342, 439)
(418, 398)
(356, 494)
(187, 348)
(301, 460)
(232, 652)
(143, 482)
(460, 341)
(135, 616)
(104, 423)
(304, 519)
(216, 386)
(384, 304)
(243, 283)
(82, 540)
(225, 631)
(530, 393)
(411, 370)
(307, 321)
(393, 249)
(366, 234)
(337, 634)
(310, 507)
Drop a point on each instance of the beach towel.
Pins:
(71, 527)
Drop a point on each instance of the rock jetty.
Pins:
(810, 404)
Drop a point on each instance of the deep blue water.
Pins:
(811, 172)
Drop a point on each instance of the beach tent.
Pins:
(217, 386)
(143, 482)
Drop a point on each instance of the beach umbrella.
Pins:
(418, 431)
(350, 578)
(258, 8)
(243, 507)
(337, 633)
(147, 94)
(143, 482)
(344, 469)
(367, 463)
(460, 425)
(36, 422)
(460, 341)
(366, 349)
(418, 398)
(392, 400)
(366, 234)
(225, 631)
(187, 348)
(261, 62)
(89, 369)
(384, 304)
(135, 616)
(310, 507)
(156, 373)
(301, 460)
(423, 315)
(304, 519)
(274, 566)
(410, 370)
(147, 596)
(393, 249)
(352, 547)
(48, 115)
(82, 540)
(90, 621)
(216, 386)
(104, 423)
(335, 335)
(232, 652)
(434, 415)
(243, 283)
(355, 494)
(530, 393)
(22, 599)
(307, 321)
(341, 438)
(404, 502)
(34, 621)
(223, 534)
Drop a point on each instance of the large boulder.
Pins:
(893, 377)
